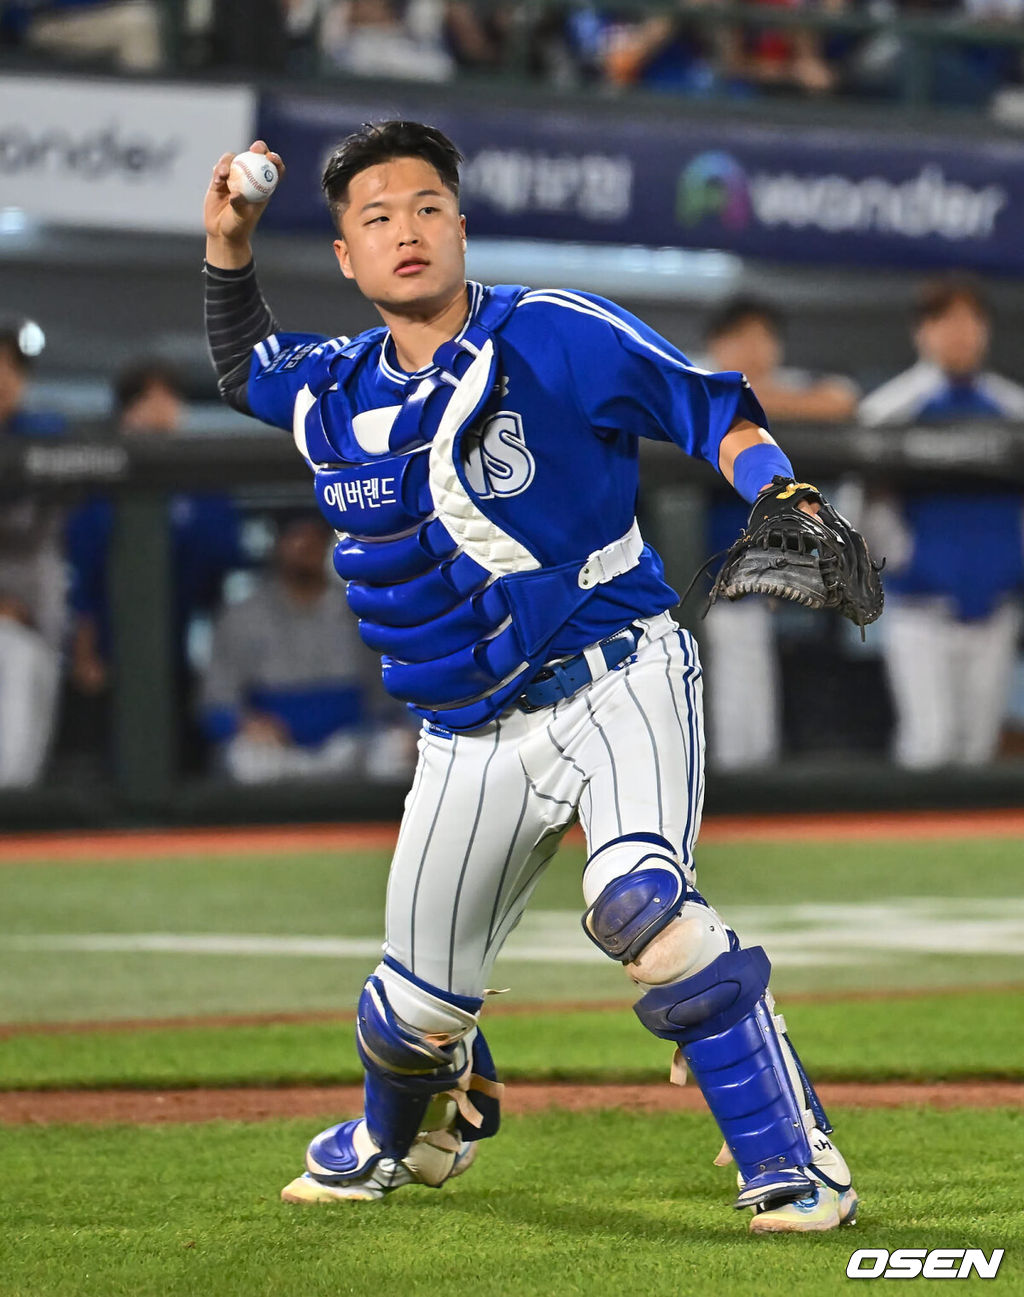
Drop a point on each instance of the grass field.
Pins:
(902, 942)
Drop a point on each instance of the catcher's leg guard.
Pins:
(431, 1090)
(710, 998)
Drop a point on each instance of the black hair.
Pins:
(935, 296)
(137, 379)
(737, 311)
(377, 142)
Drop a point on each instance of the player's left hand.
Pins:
(796, 546)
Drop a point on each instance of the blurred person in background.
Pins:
(952, 72)
(683, 52)
(955, 558)
(388, 38)
(205, 547)
(745, 714)
(125, 32)
(290, 690)
(32, 579)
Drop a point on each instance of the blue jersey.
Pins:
(967, 548)
(513, 458)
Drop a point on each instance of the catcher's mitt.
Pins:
(817, 560)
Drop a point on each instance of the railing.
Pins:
(140, 473)
(921, 40)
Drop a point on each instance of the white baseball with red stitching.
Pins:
(252, 177)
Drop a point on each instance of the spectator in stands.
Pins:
(955, 565)
(290, 690)
(683, 52)
(205, 546)
(125, 32)
(744, 720)
(388, 39)
(32, 580)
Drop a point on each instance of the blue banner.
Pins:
(816, 194)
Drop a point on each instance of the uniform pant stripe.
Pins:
(499, 936)
(562, 753)
(547, 797)
(654, 748)
(426, 849)
(611, 761)
(692, 778)
(687, 745)
(468, 853)
(508, 860)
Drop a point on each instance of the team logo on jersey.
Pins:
(497, 461)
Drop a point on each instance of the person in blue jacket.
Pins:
(955, 557)
(205, 546)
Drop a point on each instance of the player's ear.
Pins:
(344, 261)
(462, 231)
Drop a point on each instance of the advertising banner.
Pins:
(115, 155)
(783, 193)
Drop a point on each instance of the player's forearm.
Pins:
(237, 319)
(744, 435)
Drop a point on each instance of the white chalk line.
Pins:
(795, 935)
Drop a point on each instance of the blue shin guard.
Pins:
(725, 1030)
(404, 1069)
(430, 1090)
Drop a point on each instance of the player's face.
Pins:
(956, 340)
(158, 409)
(402, 238)
(752, 347)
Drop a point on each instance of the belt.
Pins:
(562, 679)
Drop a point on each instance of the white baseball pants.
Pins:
(487, 810)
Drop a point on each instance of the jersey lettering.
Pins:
(497, 460)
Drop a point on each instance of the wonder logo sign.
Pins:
(715, 189)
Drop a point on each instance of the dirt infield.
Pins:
(158, 1107)
(130, 845)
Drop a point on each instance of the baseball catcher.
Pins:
(796, 546)
(477, 455)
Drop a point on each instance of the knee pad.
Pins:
(416, 1042)
(646, 913)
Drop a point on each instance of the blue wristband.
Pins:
(754, 468)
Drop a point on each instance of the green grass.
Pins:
(933, 1037)
(319, 895)
(583, 1204)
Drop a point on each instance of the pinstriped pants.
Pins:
(487, 810)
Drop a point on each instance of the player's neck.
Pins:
(417, 334)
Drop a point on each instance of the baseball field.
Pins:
(175, 1023)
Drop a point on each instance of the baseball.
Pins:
(252, 177)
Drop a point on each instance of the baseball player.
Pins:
(477, 457)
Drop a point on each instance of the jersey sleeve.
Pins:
(278, 370)
(630, 379)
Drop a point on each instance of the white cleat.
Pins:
(309, 1190)
(823, 1209)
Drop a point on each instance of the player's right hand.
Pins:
(229, 219)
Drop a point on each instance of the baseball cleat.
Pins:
(822, 1209)
(425, 1164)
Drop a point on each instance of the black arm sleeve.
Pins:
(237, 318)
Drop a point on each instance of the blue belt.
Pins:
(558, 680)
